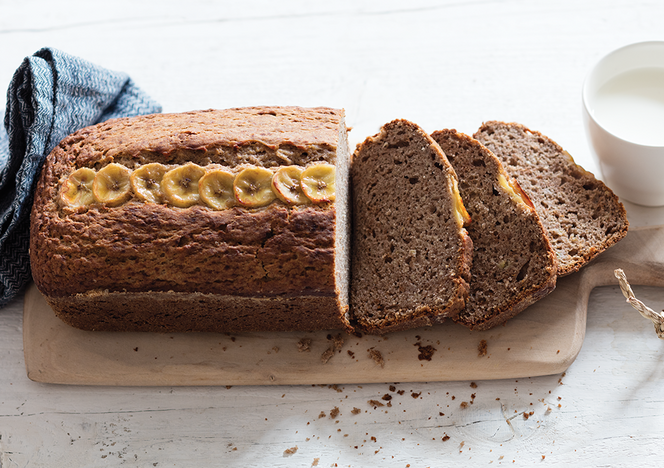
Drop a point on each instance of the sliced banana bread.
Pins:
(513, 262)
(582, 216)
(410, 254)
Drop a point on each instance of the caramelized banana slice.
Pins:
(180, 185)
(462, 216)
(77, 189)
(253, 187)
(286, 185)
(318, 183)
(216, 189)
(112, 186)
(146, 182)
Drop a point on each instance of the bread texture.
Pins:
(581, 215)
(142, 266)
(411, 255)
(514, 264)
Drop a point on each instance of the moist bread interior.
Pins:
(581, 215)
(409, 251)
(513, 262)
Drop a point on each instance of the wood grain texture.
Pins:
(438, 63)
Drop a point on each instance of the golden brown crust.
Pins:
(232, 258)
(202, 136)
(141, 247)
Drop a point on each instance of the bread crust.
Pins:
(270, 268)
(168, 312)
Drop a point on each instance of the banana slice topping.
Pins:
(111, 185)
(216, 189)
(180, 185)
(318, 183)
(77, 189)
(146, 182)
(190, 184)
(253, 187)
(286, 185)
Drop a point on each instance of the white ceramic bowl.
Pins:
(623, 113)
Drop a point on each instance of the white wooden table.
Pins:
(438, 63)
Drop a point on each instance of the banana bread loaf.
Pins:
(513, 262)
(581, 215)
(218, 220)
(411, 255)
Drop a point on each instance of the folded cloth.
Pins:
(51, 95)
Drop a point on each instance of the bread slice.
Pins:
(410, 254)
(582, 216)
(513, 262)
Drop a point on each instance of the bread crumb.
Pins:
(376, 356)
(304, 345)
(315, 462)
(473, 385)
(375, 403)
(337, 344)
(355, 410)
(327, 355)
(322, 415)
(482, 348)
(415, 395)
(290, 451)
(446, 438)
(426, 352)
(393, 388)
(334, 412)
(338, 341)
(463, 405)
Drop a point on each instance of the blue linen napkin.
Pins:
(51, 95)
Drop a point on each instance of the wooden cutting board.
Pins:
(544, 339)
